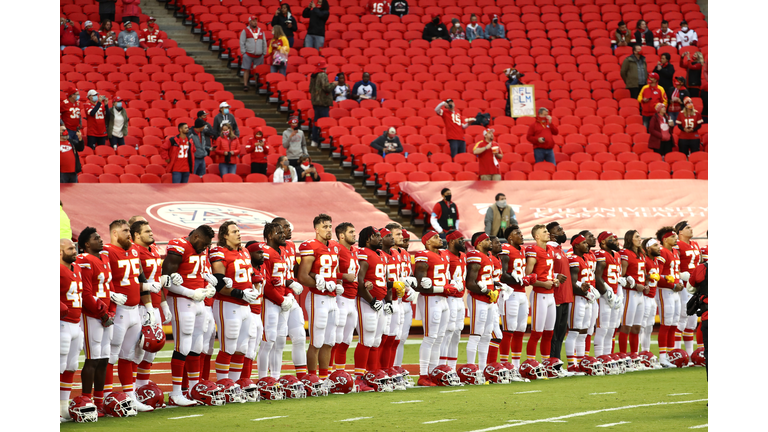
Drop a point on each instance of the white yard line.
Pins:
(612, 424)
(452, 391)
(438, 421)
(526, 392)
(679, 394)
(403, 402)
(699, 426)
(268, 418)
(183, 417)
(354, 419)
(592, 394)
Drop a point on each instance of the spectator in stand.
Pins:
(69, 162)
(676, 98)
(117, 125)
(666, 73)
(277, 51)
(445, 214)
(494, 30)
(318, 16)
(689, 122)
(399, 8)
(293, 142)
(285, 19)
(257, 147)
(68, 33)
(321, 92)
(253, 46)
(89, 37)
(661, 140)
(208, 135)
(128, 38)
(541, 134)
(96, 112)
(225, 150)
(499, 216)
(634, 72)
(284, 173)
(650, 95)
(488, 154)
(388, 142)
(131, 11)
(222, 118)
(435, 30)
(474, 30)
(378, 7)
(179, 154)
(686, 36)
(198, 138)
(306, 170)
(664, 36)
(694, 68)
(106, 9)
(513, 78)
(643, 35)
(456, 32)
(364, 89)
(622, 36)
(454, 126)
(69, 112)
(108, 36)
(341, 92)
(150, 36)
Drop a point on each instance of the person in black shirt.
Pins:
(435, 30)
(285, 19)
(399, 8)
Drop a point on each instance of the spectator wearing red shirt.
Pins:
(454, 126)
(660, 128)
(689, 122)
(96, 112)
(225, 150)
(445, 214)
(108, 36)
(179, 153)
(488, 154)
(69, 110)
(541, 134)
(257, 147)
(695, 68)
(149, 37)
(69, 162)
(69, 34)
(676, 98)
(651, 95)
(131, 11)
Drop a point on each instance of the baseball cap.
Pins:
(653, 75)
(92, 93)
(454, 21)
(202, 113)
(435, 15)
(406, 236)
(151, 19)
(71, 92)
(252, 17)
(87, 24)
(392, 131)
(384, 232)
(322, 64)
(224, 104)
(293, 120)
(127, 23)
(118, 99)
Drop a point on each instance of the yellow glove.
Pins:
(493, 295)
(654, 276)
(669, 278)
(399, 288)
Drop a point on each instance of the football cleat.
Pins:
(151, 395)
(140, 407)
(425, 381)
(678, 357)
(551, 369)
(313, 386)
(270, 389)
(250, 392)
(341, 382)
(378, 381)
(591, 366)
(444, 376)
(362, 386)
(292, 387)
(698, 358)
(181, 400)
(470, 374)
(207, 393)
(118, 404)
(82, 410)
(531, 369)
(496, 373)
(231, 390)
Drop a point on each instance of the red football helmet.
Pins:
(150, 394)
(250, 392)
(398, 383)
(513, 373)
(378, 381)
(231, 390)
(609, 364)
(313, 386)
(444, 376)
(698, 358)
(152, 338)
(635, 360)
(269, 389)
(649, 360)
(207, 392)
(82, 410)
(470, 374)
(406, 376)
(118, 404)
(591, 366)
(550, 368)
(292, 387)
(496, 373)
(342, 382)
(678, 358)
(619, 363)
(531, 369)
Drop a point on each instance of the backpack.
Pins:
(482, 119)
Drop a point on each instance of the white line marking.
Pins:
(532, 391)
(402, 402)
(612, 424)
(699, 426)
(183, 417)
(679, 394)
(606, 393)
(269, 418)
(584, 413)
(557, 421)
(452, 391)
(355, 419)
(438, 421)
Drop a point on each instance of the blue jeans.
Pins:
(312, 41)
(290, 41)
(320, 112)
(227, 168)
(200, 166)
(457, 146)
(67, 177)
(647, 122)
(180, 177)
(547, 155)
(115, 141)
(72, 134)
(278, 69)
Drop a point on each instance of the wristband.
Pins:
(220, 282)
(236, 293)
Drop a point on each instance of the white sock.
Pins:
(689, 347)
(276, 358)
(434, 357)
(264, 356)
(663, 357)
(581, 348)
(474, 340)
(599, 340)
(570, 345)
(425, 352)
(482, 351)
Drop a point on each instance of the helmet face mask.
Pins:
(532, 370)
(292, 387)
(313, 386)
(249, 389)
(270, 389)
(379, 381)
(82, 410)
(592, 366)
(496, 373)
(398, 383)
(119, 405)
(698, 357)
(444, 376)
(231, 390)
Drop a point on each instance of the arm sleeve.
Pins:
(425, 34)
(434, 223)
(439, 108)
(378, 143)
(531, 136)
(399, 148)
(95, 109)
(242, 42)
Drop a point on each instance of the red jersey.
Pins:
(457, 267)
(258, 149)
(376, 273)
(591, 259)
(152, 264)
(288, 253)
(516, 265)
(126, 268)
(274, 270)
(71, 291)
(97, 125)
(484, 274)
(668, 38)
(496, 267)
(192, 265)
(378, 7)
(237, 265)
(612, 269)
(67, 162)
(70, 114)
(489, 163)
(348, 263)
(583, 267)
(97, 280)
(652, 265)
(393, 267)
(705, 254)
(453, 121)
(545, 265)
(180, 163)
(670, 265)
(437, 268)
(151, 37)
(438, 211)
(256, 307)
(406, 266)
(326, 262)
(564, 291)
(690, 255)
(689, 121)
(635, 265)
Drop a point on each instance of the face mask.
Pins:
(94, 98)
(685, 29)
(226, 133)
(226, 110)
(119, 105)
(150, 24)
(457, 25)
(501, 203)
(77, 97)
(436, 21)
(561, 238)
(294, 126)
(448, 197)
(305, 165)
(65, 134)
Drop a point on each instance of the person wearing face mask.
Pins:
(686, 36)
(69, 111)
(96, 113)
(306, 170)
(445, 214)
(284, 173)
(117, 125)
(179, 154)
(488, 154)
(253, 46)
(225, 150)
(664, 36)
(660, 128)
(454, 126)
(388, 142)
(435, 30)
(676, 98)
(541, 134)
(694, 67)
(69, 164)
(689, 122)
(399, 8)
(643, 35)
(364, 89)
(456, 32)
(563, 291)
(150, 35)
(494, 30)
(285, 19)
(198, 138)
(293, 142)
(666, 73)
(225, 117)
(257, 147)
(474, 30)
(89, 37)
(318, 17)
(128, 38)
(622, 36)
(499, 216)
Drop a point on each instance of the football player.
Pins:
(98, 313)
(457, 271)
(256, 329)
(319, 271)
(231, 264)
(634, 272)
(483, 294)
(670, 285)
(607, 273)
(494, 253)
(690, 257)
(209, 325)
(347, 315)
(184, 266)
(580, 311)
(652, 249)
(70, 337)
(431, 274)
(406, 271)
(563, 292)
(591, 260)
(390, 236)
(540, 260)
(514, 309)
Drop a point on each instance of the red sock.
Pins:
(109, 378)
(623, 342)
(205, 367)
(323, 374)
(341, 355)
(193, 369)
(384, 350)
(98, 398)
(699, 336)
(493, 351)
(505, 345)
(332, 361)
(361, 359)
(373, 360)
(663, 337)
(393, 352)
(177, 372)
(587, 344)
(125, 373)
(613, 340)
(688, 335)
(65, 381)
(533, 342)
(672, 337)
(143, 371)
(247, 368)
(517, 345)
(634, 342)
(546, 343)
(223, 362)
(185, 378)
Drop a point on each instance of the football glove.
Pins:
(669, 278)
(388, 309)
(319, 283)
(210, 291)
(199, 294)
(426, 283)
(376, 304)
(149, 317)
(287, 303)
(684, 276)
(590, 296)
(690, 288)
(530, 279)
(399, 288)
(110, 320)
(153, 287)
(339, 289)
(618, 301)
(608, 295)
(631, 282)
(227, 282)
(210, 278)
(276, 282)
(166, 312)
(330, 286)
(622, 281)
(654, 276)
(458, 283)
(410, 281)
(118, 298)
(411, 296)
(296, 287)
(250, 295)
(483, 288)
(493, 295)
(174, 279)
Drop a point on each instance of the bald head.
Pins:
(68, 251)
(135, 219)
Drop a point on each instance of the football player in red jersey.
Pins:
(607, 273)
(406, 273)
(457, 272)
(563, 292)
(347, 315)
(98, 312)
(231, 263)
(256, 329)
(652, 249)
(634, 272)
(504, 290)
(514, 309)
(184, 266)
(318, 271)
(96, 110)
(390, 236)
(591, 260)
(150, 35)
(540, 260)
(70, 337)
(483, 294)
(668, 298)
(431, 274)
(690, 258)
(584, 295)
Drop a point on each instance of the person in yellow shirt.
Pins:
(277, 50)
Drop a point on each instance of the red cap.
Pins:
(425, 238)
(151, 19)
(258, 131)
(406, 236)
(604, 235)
(118, 99)
(384, 232)
(434, 15)
(293, 120)
(653, 75)
(480, 239)
(322, 64)
(577, 240)
(453, 235)
(252, 17)
(254, 247)
(71, 91)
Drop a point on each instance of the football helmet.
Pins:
(398, 383)
(609, 364)
(292, 387)
(531, 369)
(152, 338)
(621, 364)
(444, 376)
(208, 393)
(635, 361)
(698, 358)
(406, 376)
(313, 386)
(250, 392)
(649, 360)
(678, 358)
(591, 366)
(82, 410)
(470, 374)
(150, 394)
(118, 404)
(231, 390)
(342, 383)
(496, 373)
(378, 381)
(513, 372)
(551, 369)
(270, 389)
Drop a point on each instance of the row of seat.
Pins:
(167, 178)
(170, 50)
